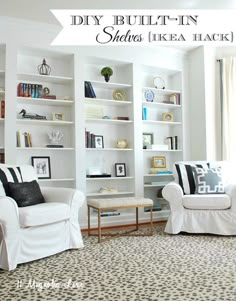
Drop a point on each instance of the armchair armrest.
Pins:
(63, 195)
(173, 193)
(9, 213)
(231, 191)
(72, 197)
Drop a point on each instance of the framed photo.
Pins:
(58, 116)
(159, 162)
(147, 139)
(42, 167)
(168, 116)
(99, 141)
(120, 169)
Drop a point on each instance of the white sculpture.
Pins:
(55, 136)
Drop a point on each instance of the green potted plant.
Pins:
(106, 72)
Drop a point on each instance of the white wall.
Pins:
(197, 110)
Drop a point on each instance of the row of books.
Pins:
(173, 99)
(110, 212)
(2, 157)
(23, 139)
(29, 90)
(88, 90)
(2, 111)
(160, 171)
(32, 90)
(89, 140)
(172, 142)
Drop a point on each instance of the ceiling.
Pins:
(39, 11)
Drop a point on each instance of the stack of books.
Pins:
(172, 142)
(23, 139)
(89, 140)
(88, 90)
(2, 110)
(111, 212)
(2, 157)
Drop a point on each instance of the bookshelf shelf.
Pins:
(43, 122)
(43, 101)
(44, 78)
(106, 102)
(162, 91)
(163, 151)
(161, 122)
(158, 175)
(160, 184)
(110, 149)
(92, 194)
(161, 105)
(46, 148)
(111, 178)
(108, 121)
(57, 180)
(109, 85)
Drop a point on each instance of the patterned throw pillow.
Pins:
(185, 176)
(208, 180)
(9, 174)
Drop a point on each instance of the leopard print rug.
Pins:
(161, 267)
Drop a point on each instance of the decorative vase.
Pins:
(107, 77)
(122, 143)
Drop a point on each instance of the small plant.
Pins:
(106, 72)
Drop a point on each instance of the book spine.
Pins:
(20, 90)
(176, 142)
(25, 90)
(144, 113)
(170, 142)
(87, 90)
(92, 92)
(33, 91)
(2, 109)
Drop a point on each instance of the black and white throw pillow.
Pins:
(9, 174)
(26, 193)
(185, 176)
(208, 180)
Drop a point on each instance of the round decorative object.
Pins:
(168, 116)
(149, 95)
(119, 95)
(122, 143)
(44, 68)
(46, 91)
(159, 83)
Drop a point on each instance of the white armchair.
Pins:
(33, 232)
(201, 213)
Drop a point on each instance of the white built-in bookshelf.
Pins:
(99, 116)
(2, 104)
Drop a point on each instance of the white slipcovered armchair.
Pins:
(202, 213)
(33, 232)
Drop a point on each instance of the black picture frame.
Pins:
(120, 169)
(147, 139)
(42, 167)
(98, 141)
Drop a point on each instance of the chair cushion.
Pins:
(207, 201)
(43, 214)
(208, 180)
(185, 177)
(26, 193)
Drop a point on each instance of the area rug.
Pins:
(162, 268)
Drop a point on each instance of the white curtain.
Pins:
(229, 108)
